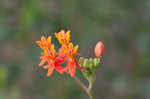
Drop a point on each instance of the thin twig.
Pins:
(81, 84)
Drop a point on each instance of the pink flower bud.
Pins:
(99, 49)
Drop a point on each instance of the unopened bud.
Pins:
(99, 49)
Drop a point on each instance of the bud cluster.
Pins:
(89, 65)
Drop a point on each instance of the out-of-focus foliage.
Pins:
(123, 26)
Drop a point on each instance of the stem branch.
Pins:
(81, 84)
(87, 90)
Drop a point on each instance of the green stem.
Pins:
(90, 94)
(91, 82)
(87, 90)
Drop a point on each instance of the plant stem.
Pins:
(90, 89)
(90, 94)
(81, 84)
(87, 90)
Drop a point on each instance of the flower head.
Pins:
(49, 56)
(63, 37)
(70, 52)
(99, 49)
(65, 55)
(44, 43)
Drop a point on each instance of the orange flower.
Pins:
(44, 43)
(70, 50)
(66, 54)
(70, 53)
(99, 49)
(63, 38)
(49, 56)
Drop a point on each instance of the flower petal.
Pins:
(61, 52)
(77, 64)
(50, 70)
(70, 46)
(75, 49)
(43, 39)
(49, 41)
(60, 60)
(72, 69)
(39, 43)
(68, 36)
(59, 68)
(42, 61)
(46, 66)
(53, 50)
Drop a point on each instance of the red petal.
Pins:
(60, 60)
(59, 68)
(78, 65)
(72, 69)
(61, 52)
(65, 69)
(50, 70)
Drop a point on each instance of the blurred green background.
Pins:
(123, 26)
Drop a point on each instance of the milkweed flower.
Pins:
(99, 49)
(69, 51)
(44, 43)
(62, 37)
(49, 56)
(65, 55)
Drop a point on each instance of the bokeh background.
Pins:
(123, 26)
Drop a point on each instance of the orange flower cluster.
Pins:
(65, 55)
